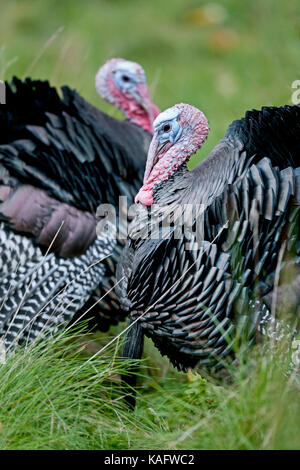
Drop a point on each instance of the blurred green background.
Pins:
(224, 57)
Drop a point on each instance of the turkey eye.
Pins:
(166, 127)
(125, 78)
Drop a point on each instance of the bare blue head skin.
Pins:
(128, 76)
(123, 84)
(178, 133)
(168, 130)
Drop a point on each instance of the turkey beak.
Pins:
(155, 150)
(143, 98)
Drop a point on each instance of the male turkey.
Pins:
(207, 246)
(60, 158)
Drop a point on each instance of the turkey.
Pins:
(60, 158)
(207, 246)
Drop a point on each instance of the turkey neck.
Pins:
(174, 188)
(137, 115)
(204, 182)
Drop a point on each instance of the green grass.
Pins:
(248, 58)
(50, 397)
(57, 396)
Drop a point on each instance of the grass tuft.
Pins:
(54, 396)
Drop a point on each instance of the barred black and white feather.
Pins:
(60, 158)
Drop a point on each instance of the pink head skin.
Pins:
(178, 133)
(123, 84)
